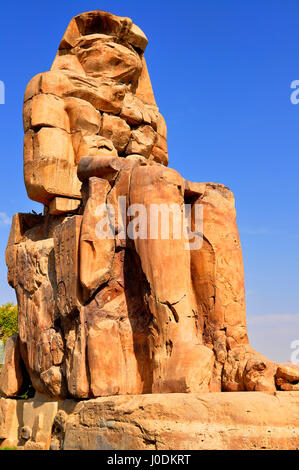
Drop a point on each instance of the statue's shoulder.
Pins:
(55, 82)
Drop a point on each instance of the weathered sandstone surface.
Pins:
(207, 421)
(134, 316)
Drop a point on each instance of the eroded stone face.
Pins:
(104, 59)
(117, 316)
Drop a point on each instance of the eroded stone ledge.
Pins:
(240, 420)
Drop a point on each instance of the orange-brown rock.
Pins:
(50, 170)
(45, 110)
(95, 145)
(21, 223)
(287, 378)
(117, 130)
(142, 141)
(288, 373)
(83, 117)
(96, 255)
(12, 372)
(239, 421)
(62, 205)
(11, 412)
(93, 72)
(102, 22)
(121, 289)
(96, 54)
(41, 342)
(160, 151)
(136, 112)
(205, 421)
(66, 249)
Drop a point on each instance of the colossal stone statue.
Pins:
(103, 316)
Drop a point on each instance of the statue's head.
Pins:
(102, 57)
(108, 48)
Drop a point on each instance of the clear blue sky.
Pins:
(221, 72)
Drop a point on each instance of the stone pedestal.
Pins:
(222, 421)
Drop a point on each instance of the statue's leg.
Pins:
(180, 362)
(115, 317)
(217, 268)
(218, 279)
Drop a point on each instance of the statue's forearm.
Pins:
(100, 166)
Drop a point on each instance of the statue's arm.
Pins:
(49, 157)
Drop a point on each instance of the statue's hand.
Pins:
(105, 167)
